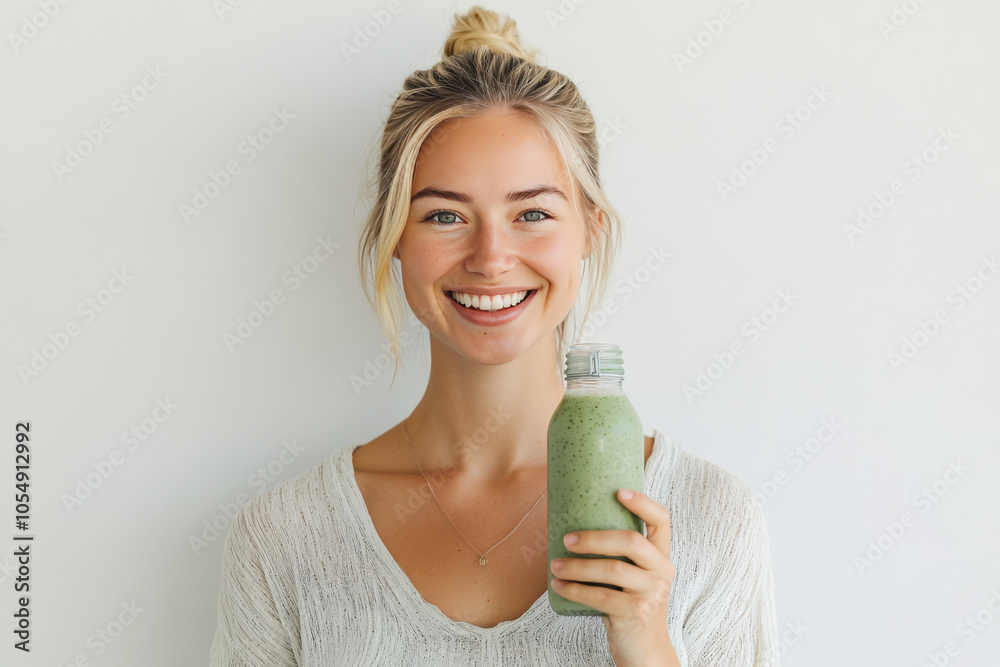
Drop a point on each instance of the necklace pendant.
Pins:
(482, 561)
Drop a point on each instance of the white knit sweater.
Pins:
(306, 581)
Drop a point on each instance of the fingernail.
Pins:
(627, 494)
(571, 539)
(557, 565)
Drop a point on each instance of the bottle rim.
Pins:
(594, 360)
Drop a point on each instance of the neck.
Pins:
(486, 421)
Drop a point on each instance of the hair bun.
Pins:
(481, 26)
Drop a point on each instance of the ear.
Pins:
(598, 220)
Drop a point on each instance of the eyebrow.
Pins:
(511, 196)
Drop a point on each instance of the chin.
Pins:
(491, 352)
(497, 350)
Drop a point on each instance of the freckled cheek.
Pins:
(425, 262)
(559, 262)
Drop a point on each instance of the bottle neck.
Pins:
(605, 383)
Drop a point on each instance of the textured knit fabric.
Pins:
(307, 581)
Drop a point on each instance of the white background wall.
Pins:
(674, 129)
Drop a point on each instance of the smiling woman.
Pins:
(534, 131)
(490, 216)
(514, 224)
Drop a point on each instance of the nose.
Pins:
(491, 251)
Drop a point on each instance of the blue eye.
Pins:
(443, 217)
(535, 215)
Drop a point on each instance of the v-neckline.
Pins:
(397, 576)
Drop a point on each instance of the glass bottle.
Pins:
(595, 447)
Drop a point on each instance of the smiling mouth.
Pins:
(487, 303)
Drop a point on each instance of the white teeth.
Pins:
(484, 302)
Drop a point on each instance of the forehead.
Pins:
(488, 152)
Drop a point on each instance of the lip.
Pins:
(492, 318)
(489, 291)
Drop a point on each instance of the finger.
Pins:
(607, 600)
(606, 571)
(627, 543)
(653, 514)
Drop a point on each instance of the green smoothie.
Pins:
(595, 447)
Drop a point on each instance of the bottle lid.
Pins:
(594, 360)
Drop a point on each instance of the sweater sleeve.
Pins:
(249, 632)
(734, 623)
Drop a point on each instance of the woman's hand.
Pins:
(636, 615)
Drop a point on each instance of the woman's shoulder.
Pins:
(700, 491)
(296, 503)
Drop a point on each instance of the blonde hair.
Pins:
(484, 67)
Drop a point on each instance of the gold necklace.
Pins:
(482, 556)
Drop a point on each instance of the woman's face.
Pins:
(492, 216)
